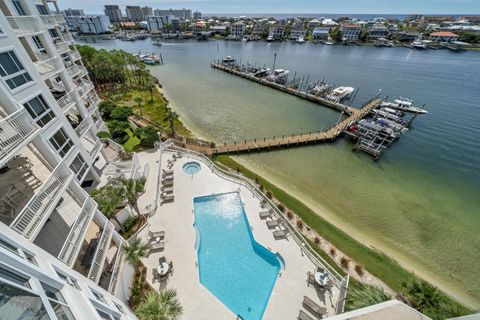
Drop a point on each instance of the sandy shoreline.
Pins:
(363, 238)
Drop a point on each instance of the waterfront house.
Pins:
(314, 23)
(276, 32)
(407, 36)
(320, 33)
(220, 30)
(378, 31)
(297, 31)
(329, 23)
(237, 30)
(443, 36)
(350, 32)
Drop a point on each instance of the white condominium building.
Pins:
(60, 257)
(89, 24)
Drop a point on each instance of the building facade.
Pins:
(297, 31)
(73, 12)
(378, 31)
(60, 257)
(93, 24)
(177, 13)
(197, 15)
(320, 33)
(113, 13)
(351, 32)
(276, 32)
(134, 13)
(155, 23)
(237, 29)
(147, 11)
(443, 36)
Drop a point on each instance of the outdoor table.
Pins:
(163, 268)
(321, 278)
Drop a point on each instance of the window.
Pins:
(119, 307)
(42, 10)
(55, 297)
(72, 282)
(17, 303)
(53, 33)
(39, 110)
(106, 316)
(19, 252)
(79, 166)
(98, 296)
(10, 275)
(61, 142)
(12, 71)
(18, 7)
(39, 44)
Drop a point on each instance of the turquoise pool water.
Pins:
(232, 265)
(191, 167)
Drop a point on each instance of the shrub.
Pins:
(260, 187)
(106, 107)
(333, 252)
(129, 223)
(300, 224)
(121, 113)
(104, 135)
(290, 215)
(147, 135)
(359, 270)
(256, 180)
(344, 262)
(365, 296)
(269, 195)
(281, 207)
(316, 241)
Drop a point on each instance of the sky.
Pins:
(293, 6)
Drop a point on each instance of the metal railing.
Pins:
(62, 47)
(83, 126)
(75, 69)
(73, 243)
(15, 130)
(99, 259)
(116, 270)
(84, 87)
(50, 20)
(43, 202)
(67, 37)
(67, 100)
(75, 55)
(49, 67)
(318, 260)
(26, 25)
(96, 147)
(59, 17)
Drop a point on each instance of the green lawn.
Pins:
(133, 143)
(373, 261)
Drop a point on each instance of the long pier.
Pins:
(285, 88)
(284, 141)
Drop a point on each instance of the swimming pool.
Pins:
(191, 168)
(235, 268)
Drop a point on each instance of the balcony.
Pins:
(76, 69)
(96, 148)
(67, 101)
(37, 210)
(62, 47)
(83, 127)
(101, 253)
(50, 20)
(91, 101)
(67, 37)
(84, 87)
(112, 288)
(50, 67)
(71, 248)
(111, 265)
(75, 55)
(26, 25)
(16, 131)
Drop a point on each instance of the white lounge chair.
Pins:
(271, 224)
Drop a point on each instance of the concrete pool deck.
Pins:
(177, 218)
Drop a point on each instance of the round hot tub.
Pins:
(191, 168)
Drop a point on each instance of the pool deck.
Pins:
(177, 218)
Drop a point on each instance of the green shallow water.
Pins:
(420, 203)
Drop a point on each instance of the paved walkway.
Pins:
(177, 220)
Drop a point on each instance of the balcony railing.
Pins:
(67, 100)
(75, 55)
(48, 68)
(99, 259)
(16, 129)
(50, 21)
(59, 17)
(84, 88)
(116, 270)
(43, 202)
(75, 69)
(26, 25)
(83, 126)
(96, 147)
(67, 37)
(72, 245)
(62, 47)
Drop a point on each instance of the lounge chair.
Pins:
(156, 275)
(265, 214)
(156, 246)
(271, 224)
(162, 259)
(329, 286)
(169, 178)
(169, 198)
(314, 308)
(167, 183)
(310, 279)
(303, 316)
(167, 188)
(167, 171)
(156, 234)
(279, 234)
(167, 192)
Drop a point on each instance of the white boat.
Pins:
(157, 42)
(278, 76)
(404, 104)
(418, 44)
(329, 43)
(319, 89)
(269, 38)
(340, 93)
(300, 39)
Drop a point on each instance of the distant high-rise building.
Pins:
(156, 23)
(197, 15)
(89, 24)
(177, 13)
(113, 12)
(147, 11)
(73, 12)
(134, 13)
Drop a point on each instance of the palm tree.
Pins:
(365, 296)
(131, 190)
(422, 295)
(170, 116)
(150, 87)
(135, 251)
(162, 305)
(139, 101)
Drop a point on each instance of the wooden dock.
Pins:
(290, 141)
(285, 88)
